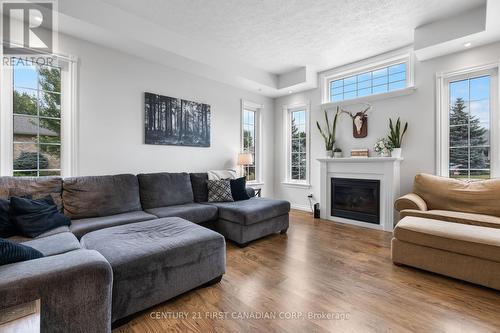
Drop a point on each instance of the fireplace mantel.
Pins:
(385, 169)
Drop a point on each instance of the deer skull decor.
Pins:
(359, 122)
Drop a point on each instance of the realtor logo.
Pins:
(27, 27)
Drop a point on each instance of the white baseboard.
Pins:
(304, 208)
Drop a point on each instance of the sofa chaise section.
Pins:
(156, 260)
(96, 202)
(248, 220)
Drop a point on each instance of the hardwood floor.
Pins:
(322, 268)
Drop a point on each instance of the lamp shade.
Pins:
(245, 159)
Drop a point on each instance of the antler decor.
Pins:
(359, 121)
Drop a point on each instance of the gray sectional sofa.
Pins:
(134, 241)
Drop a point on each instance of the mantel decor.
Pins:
(175, 121)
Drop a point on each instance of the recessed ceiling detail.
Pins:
(269, 47)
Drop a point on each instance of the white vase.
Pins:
(385, 154)
(396, 152)
(337, 154)
(329, 153)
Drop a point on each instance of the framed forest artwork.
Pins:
(175, 121)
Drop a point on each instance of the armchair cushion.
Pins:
(457, 217)
(479, 242)
(410, 201)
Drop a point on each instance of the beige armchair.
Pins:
(450, 227)
(452, 200)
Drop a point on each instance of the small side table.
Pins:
(22, 318)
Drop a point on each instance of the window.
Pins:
(37, 120)
(298, 148)
(250, 124)
(37, 128)
(470, 103)
(297, 131)
(383, 76)
(368, 83)
(249, 142)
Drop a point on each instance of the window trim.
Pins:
(404, 55)
(69, 118)
(287, 111)
(442, 120)
(257, 108)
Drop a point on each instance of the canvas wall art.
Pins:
(175, 121)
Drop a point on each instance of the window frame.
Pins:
(257, 108)
(369, 65)
(287, 122)
(443, 79)
(69, 129)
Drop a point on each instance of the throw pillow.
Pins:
(34, 217)
(7, 228)
(199, 184)
(11, 252)
(238, 189)
(219, 190)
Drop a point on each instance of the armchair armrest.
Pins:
(410, 201)
(74, 289)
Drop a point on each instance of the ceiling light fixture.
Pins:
(289, 91)
(468, 44)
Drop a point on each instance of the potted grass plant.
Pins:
(328, 134)
(396, 136)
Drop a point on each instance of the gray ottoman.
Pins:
(247, 220)
(156, 260)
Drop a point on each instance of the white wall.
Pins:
(111, 88)
(418, 109)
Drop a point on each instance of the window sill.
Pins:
(255, 184)
(370, 98)
(296, 184)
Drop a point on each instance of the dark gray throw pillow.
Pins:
(219, 190)
(34, 217)
(199, 185)
(11, 252)
(7, 228)
(238, 189)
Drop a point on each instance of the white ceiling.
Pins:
(265, 46)
(281, 35)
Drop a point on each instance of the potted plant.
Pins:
(337, 153)
(396, 137)
(329, 133)
(383, 147)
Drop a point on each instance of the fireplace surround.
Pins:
(385, 170)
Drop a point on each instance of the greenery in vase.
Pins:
(337, 150)
(383, 146)
(396, 136)
(329, 133)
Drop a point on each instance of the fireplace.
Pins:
(356, 199)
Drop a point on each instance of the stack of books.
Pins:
(359, 153)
